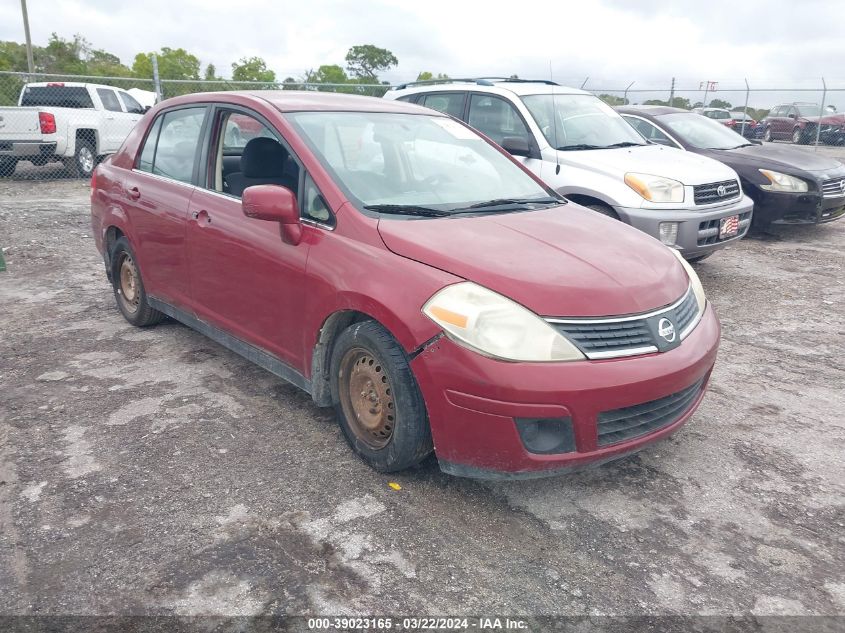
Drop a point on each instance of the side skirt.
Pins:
(250, 352)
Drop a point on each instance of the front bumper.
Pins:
(796, 208)
(474, 402)
(698, 230)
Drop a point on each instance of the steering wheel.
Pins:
(436, 180)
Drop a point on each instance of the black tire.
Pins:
(406, 439)
(767, 135)
(83, 161)
(799, 136)
(134, 307)
(603, 209)
(7, 166)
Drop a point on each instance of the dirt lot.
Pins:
(152, 471)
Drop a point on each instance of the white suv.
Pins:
(583, 149)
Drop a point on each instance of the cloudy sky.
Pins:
(774, 43)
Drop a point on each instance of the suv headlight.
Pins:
(655, 188)
(695, 282)
(493, 325)
(782, 182)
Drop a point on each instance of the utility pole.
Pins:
(29, 63)
(672, 94)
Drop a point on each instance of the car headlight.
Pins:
(782, 182)
(655, 188)
(695, 282)
(493, 325)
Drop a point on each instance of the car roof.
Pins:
(68, 84)
(652, 110)
(305, 101)
(495, 86)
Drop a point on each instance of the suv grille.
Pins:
(833, 188)
(626, 336)
(716, 192)
(627, 423)
(708, 231)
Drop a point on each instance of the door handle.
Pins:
(201, 215)
(133, 192)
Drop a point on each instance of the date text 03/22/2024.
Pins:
(415, 624)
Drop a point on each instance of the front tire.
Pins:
(128, 287)
(7, 166)
(83, 161)
(767, 135)
(378, 403)
(799, 136)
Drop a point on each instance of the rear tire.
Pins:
(83, 161)
(378, 403)
(8, 166)
(128, 287)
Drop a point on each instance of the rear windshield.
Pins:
(57, 96)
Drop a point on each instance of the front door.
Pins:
(244, 278)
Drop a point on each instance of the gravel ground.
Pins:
(151, 471)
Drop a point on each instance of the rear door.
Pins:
(157, 191)
(244, 278)
(132, 112)
(113, 129)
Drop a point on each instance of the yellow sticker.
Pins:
(394, 485)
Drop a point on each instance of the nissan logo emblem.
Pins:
(666, 330)
(721, 190)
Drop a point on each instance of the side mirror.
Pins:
(516, 145)
(144, 109)
(792, 115)
(274, 204)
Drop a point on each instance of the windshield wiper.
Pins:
(565, 148)
(625, 144)
(407, 209)
(501, 202)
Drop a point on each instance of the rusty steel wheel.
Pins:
(367, 398)
(129, 285)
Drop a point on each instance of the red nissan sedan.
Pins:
(406, 271)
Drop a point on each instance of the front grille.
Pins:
(628, 423)
(627, 336)
(833, 188)
(711, 192)
(708, 230)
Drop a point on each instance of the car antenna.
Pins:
(554, 121)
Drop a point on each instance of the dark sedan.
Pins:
(788, 185)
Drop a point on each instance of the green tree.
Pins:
(365, 61)
(13, 56)
(719, 103)
(613, 100)
(105, 64)
(681, 102)
(289, 83)
(62, 56)
(327, 74)
(427, 76)
(173, 63)
(252, 69)
(210, 73)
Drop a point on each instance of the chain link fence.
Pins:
(59, 126)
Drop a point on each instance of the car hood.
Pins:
(658, 160)
(563, 261)
(828, 119)
(777, 157)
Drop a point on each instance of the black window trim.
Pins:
(116, 97)
(161, 114)
(218, 108)
(532, 142)
(463, 93)
(663, 130)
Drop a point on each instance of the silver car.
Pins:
(583, 149)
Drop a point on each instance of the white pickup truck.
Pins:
(75, 123)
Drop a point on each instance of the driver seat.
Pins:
(262, 163)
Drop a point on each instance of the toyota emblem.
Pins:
(666, 329)
(722, 190)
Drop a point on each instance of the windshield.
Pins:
(701, 132)
(808, 109)
(430, 165)
(581, 122)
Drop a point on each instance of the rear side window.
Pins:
(109, 99)
(57, 97)
(496, 118)
(171, 147)
(449, 103)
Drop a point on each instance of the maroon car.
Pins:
(798, 122)
(406, 271)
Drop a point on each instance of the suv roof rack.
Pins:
(480, 81)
